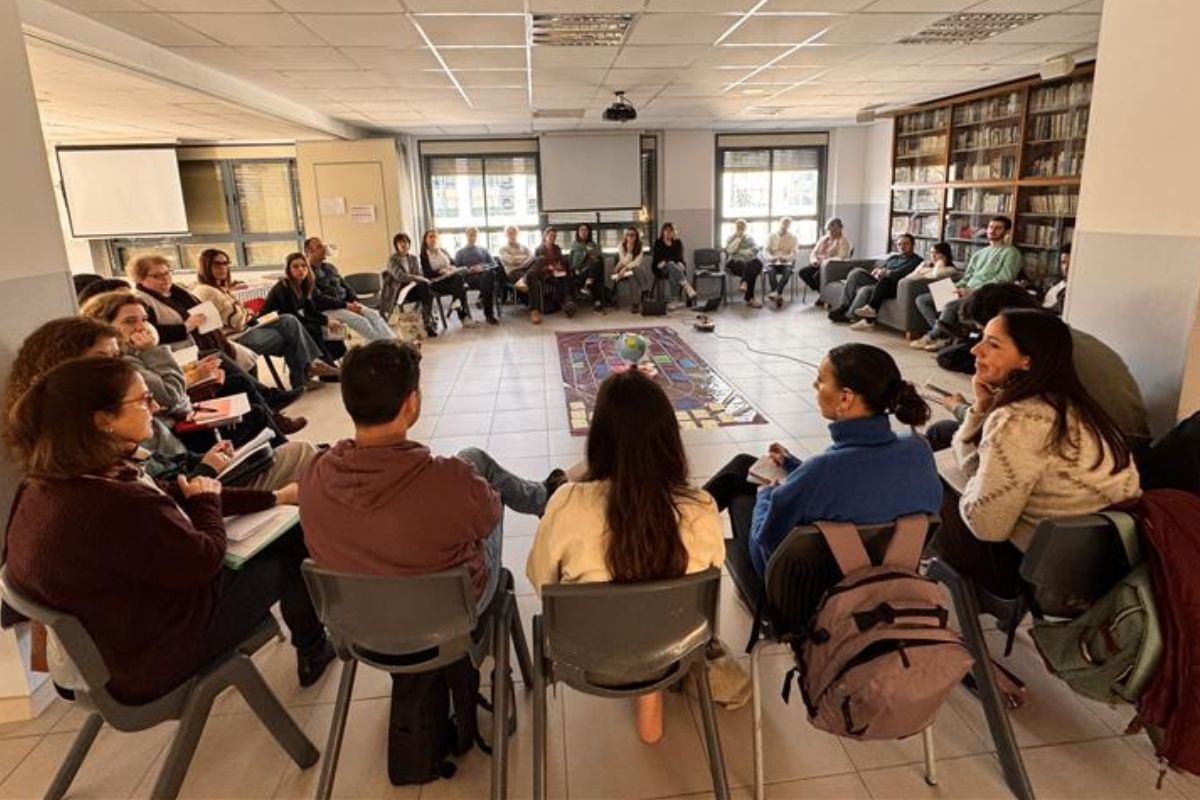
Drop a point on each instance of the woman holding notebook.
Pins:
(143, 569)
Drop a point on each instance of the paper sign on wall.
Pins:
(362, 214)
(333, 206)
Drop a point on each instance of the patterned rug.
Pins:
(701, 397)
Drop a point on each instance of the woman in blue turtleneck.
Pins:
(868, 475)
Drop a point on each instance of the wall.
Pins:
(845, 179)
(1135, 267)
(366, 172)
(873, 237)
(689, 185)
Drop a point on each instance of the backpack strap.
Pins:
(1126, 527)
(908, 542)
(846, 545)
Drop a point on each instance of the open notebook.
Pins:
(246, 534)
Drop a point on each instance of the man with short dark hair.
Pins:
(333, 296)
(996, 263)
(382, 504)
(860, 283)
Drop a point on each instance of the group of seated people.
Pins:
(747, 261)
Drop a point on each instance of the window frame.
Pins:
(485, 230)
(720, 219)
(236, 236)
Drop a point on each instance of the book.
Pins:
(260, 442)
(247, 534)
(197, 374)
(943, 292)
(766, 472)
(448, 275)
(221, 410)
(267, 318)
(186, 354)
(212, 317)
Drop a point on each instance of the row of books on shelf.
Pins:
(997, 136)
(917, 226)
(991, 108)
(934, 173)
(1000, 167)
(934, 145)
(1076, 93)
(922, 121)
(1054, 203)
(1056, 165)
(983, 202)
(1041, 267)
(1043, 235)
(1066, 125)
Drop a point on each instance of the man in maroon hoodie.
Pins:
(382, 504)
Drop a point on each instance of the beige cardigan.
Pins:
(234, 315)
(570, 543)
(1015, 479)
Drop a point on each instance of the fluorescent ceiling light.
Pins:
(777, 59)
(449, 72)
(741, 21)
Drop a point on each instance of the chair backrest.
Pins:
(1072, 562)
(706, 258)
(364, 283)
(400, 624)
(803, 568)
(613, 634)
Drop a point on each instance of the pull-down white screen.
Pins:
(590, 171)
(130, 192)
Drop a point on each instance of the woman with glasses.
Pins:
(142, 570)
(283, 336)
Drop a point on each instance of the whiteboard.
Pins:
(590, 171)
(122, 192)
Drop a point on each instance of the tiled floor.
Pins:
(498, 388)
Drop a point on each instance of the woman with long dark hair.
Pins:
(1033, 445)
(633, 517)
(587, 263)
(439, 268)
(402, 269)
(293, 295)
(868, 475)
(668, 263)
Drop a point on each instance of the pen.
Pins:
(203, 409)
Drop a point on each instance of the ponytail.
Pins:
(908, 406)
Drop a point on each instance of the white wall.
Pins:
(689, 186)
(1135, 267)
(844, 180)
(79, 251)
(877, 189)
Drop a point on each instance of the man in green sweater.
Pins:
(996, 263)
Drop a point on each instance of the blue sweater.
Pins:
(868, 475)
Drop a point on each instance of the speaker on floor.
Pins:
(652, 307)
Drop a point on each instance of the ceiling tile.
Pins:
(900, 54)
(780, 30)
(155, 28)
(492, 77)
(919, 6)
(979, 53)
(472, 6)
(818, 55)
(1018, 6)
(746, 55)
(226, 59)
(294, 58)
(545, 56)
(673, 29)
(213, 6)
(662, 56)
(333, 79)
(484, 57)
(1090, 7)
(811, 6)
(592, 77)
(1053, 29)
(575, 6)
(250, 29)
(732, 7)
(877, 28)
(341, 6)
(363, 30)
(480, 31)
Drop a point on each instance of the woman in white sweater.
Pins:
(633, 517)
(283, 336)
(1034, 445)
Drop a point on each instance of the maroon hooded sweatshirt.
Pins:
(396, 510)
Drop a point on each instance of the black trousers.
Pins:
(238, 380)
(994, 566)
(561, 288)
(591, 277)
(884, 290)
(485, 283)
(456, 288)
(245, 597)
(748, 271)
(811, 276)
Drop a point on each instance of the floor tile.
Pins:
(116, 765)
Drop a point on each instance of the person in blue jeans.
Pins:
(868, 475)
(336, 299)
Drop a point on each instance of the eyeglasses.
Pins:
(220, 263)
(166, 273)
(146, 400)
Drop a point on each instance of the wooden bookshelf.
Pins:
(1014, 149)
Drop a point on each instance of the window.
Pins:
(763, 185)
(488, 192)
(248, 208)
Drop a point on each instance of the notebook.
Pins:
(221, 410)
(247, 534)
(943, 292)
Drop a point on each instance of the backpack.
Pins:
(879, 657)
(422, 732)
(1111, 651)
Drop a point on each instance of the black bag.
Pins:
(652, 307)
(423, 733)
(957, 357)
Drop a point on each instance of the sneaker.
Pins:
(772, 297)
(688, 291)
(919, 344)
(863, 325)
(469, 322)
(933, 345)
(754, 302)
(521, 286)
(319, 369)
(838, 315)
(674, 305)
(455, 305)
(312, 662)
(535, 317)
(865, 312)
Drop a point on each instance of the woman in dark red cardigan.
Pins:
(139, 563)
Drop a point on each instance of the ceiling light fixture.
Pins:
(449, 72)
(528, 56)
(968, 27)
(1058, 67)
(776, 60)
(581, 30)
(741, 21)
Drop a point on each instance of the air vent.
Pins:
(581, 30)
(966, 28)
(558, 113)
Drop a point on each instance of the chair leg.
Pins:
(183, 746)
(930, 757)
(501, 683)
(524, 662)
(756, 707)
(967, 610)
(266, 706)
(539, 710)
(274, 373)
(337, 729)
(712, 737)
(74, 760)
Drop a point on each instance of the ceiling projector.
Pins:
(620, 111)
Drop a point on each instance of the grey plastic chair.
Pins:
(190, 702)
(707, 266)
(1074, 561)
(367, 285)
(412, 625)
(625, 640)
(799, 573)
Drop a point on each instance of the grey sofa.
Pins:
(899, 314)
